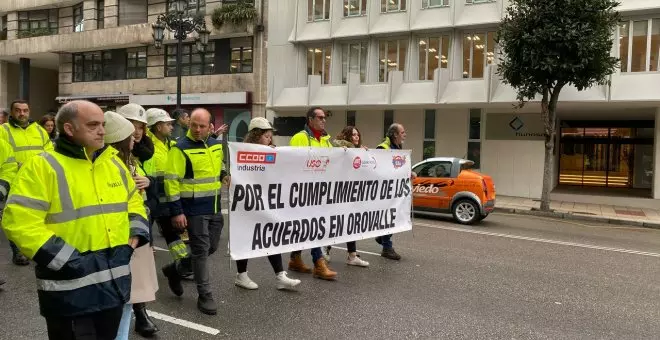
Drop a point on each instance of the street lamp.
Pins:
(178, 22)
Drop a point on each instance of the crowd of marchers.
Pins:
(82, 190)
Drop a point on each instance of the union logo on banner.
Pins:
(398, 161)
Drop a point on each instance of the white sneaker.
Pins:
(356, 261)
(283, 282)
(326, 253)
(244, 281)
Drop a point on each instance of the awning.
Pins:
(120, 98)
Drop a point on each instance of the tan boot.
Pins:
(296, 264)
(322, 271)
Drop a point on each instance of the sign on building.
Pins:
(505, 126)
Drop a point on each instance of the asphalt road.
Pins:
(511, 277)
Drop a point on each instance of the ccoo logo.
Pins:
(256, 157)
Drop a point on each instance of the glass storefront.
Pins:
(606, 154)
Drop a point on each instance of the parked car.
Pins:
(446, 185)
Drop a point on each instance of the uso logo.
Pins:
(317, 164)
(247, 157)
(357, 162)
(398, 161)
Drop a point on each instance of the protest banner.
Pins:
(290, 198)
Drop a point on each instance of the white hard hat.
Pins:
(260, 123)
(117, 128)
(156, 116)
(133, 112)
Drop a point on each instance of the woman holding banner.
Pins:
(349, 137)
(261, 132)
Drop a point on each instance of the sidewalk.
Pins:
(649, 218)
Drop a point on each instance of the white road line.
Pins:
(535, 239)
(359, 251)
(184, 323)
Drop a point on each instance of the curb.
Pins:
(579, 217)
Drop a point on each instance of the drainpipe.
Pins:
(261, 28)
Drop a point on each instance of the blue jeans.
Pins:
(386, 241)
(125, 324)
(317, 253)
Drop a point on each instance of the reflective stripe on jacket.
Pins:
(306, 138)
(193, 178)
(74, 218)
(26, 142)
(8, 169)
(387, 144)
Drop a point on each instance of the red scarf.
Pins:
(317, 133)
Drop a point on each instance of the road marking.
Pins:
(359, 251)
(160, 249)
(542, 240)
(184, 323)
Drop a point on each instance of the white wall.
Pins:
(516, 166)
(413, 122)
(370, 124)
(452, 129)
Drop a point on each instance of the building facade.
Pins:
(54, 51)
(431, 65)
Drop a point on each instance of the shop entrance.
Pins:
(613, 154)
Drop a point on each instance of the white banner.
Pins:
(291, 198)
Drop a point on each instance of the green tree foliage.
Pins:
(547, 45)
(234, 13)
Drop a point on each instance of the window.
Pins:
(392, 56)
(241, 55)
(354, 60)
(193, 63)
(434, 3)
(434, 169)
(78, 18)
(355, 8)
(478, 52)
(192, 7)
(3, 28)
(100, 14)
(387, 6)
(318, 62)
(388, 119)
(429, 134)
(639, 45)
(350, 118)
(37, 23)
(433, 53)
(318, 10)
(132, 12)
(136, 65)
(474, 138)
(110, 65)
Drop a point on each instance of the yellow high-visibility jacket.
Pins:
(26, 142)
(306, 138)
(8, 169)
(74, 216)
(194, 177)
(156, 167)
(387, 144)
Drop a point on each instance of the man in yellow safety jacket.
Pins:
(76, 212)
(7, 173)
(192, 185)
(27, 138)
(313, 135)
(396, 135)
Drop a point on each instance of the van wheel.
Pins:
(466, 212)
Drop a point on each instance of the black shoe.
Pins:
(379, 240)
(2, 281)
(20, 260)
(143, 323)
(206, 305)
(389, 253)
(173, 279)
